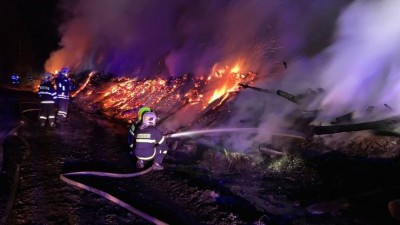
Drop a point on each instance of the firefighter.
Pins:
(135, 126)
(47, 95)
(150, 143)
(64, 88)
(15, 79)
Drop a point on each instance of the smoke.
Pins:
(147, 37)
(357, 69)
(363, 67)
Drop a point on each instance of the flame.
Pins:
(122, 96)
(217, 94)
(227, 82)
(235, 69)
(84, 84)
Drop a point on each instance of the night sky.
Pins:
(29, 34)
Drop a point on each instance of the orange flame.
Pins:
(122, 95)
(218, 93)
(84, 84)
(235, 69)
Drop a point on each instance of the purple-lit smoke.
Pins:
(363, 64)
(147, 37)
(359, 69)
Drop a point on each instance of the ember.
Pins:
(84, 84)
(122, 96)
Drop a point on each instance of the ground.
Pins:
(197, 186)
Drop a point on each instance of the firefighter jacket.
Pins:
(64, 87)
(150, 143)
(46, 93)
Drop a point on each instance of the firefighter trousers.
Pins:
(47, 112)
(149, 154)
(62, 109)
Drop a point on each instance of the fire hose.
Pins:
(24, 117)
(13, 193)
(64, 177)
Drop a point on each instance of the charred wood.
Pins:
(386, 124)
(256, 88)
(288, 96)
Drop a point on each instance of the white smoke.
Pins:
(363, 64)
(360, 68)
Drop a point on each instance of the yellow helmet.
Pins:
(142, 111)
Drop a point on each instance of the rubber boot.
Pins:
(157, 166)
(139, 164)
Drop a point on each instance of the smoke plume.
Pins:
(147, 37)
(358, 69)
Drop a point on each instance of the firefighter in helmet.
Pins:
(64, 88)
(15, 79)
(135, 126)
(47, 95)
(150, 143)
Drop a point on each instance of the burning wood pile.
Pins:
(188, 99)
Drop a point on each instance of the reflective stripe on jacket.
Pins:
(46, 92)
(149, 141)
(64, 87)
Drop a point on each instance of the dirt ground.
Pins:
(313, 184)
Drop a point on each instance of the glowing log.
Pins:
(84, 84)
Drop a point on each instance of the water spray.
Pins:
(219, 130)
(226, 130)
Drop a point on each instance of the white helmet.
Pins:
(149, 119)
(47, 76)
(65, 71)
